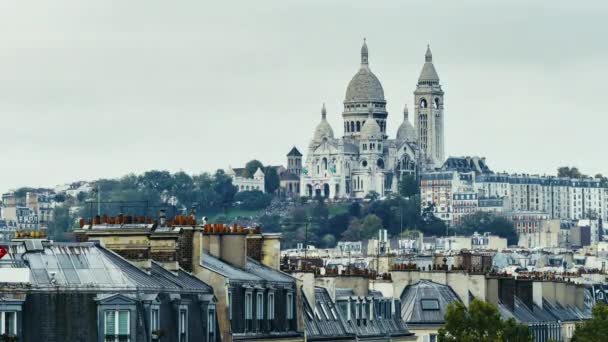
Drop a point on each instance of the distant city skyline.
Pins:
(102, 89)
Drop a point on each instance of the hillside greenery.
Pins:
(315, 221)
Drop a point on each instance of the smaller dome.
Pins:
(406, 131)
(323, 129)
(371, 129)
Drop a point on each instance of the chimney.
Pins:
(229, 245)
(162, 218)
(307, 282)
(233, 249)
(537, 293)
(265, 248)
(197, 250)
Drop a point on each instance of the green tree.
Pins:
(251, 167)
(372, 196)
(156, 180)
(481, 322)
(253, 200)
(62, 223)
(354, 209)
(60, 198)
(408, 186)
(603, 180)
(370, 226)
(569, 172)
(328, 241)
(595, 329)
(270, 223)
(271, 179)
(224, 188)
(353, 232)
(483, 222)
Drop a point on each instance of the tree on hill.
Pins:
(372, 196)
(481, 322)
(253, 200)
(224, 188)
(595, 329)
(370, 226)
(272, 182)
(353, 232)
(483, 222)
(408, 186)
(251, 167)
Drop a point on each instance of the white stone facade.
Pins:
(244, 183)
(365, 160)
(521, 196)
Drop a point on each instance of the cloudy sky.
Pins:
(92, 89)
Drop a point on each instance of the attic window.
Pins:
(429, 304)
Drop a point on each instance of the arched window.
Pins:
(358, 126)
(423, 103)
(325, 164)
(436, 103)
(352, 126)
(380, 163)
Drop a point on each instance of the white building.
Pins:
(364, 159)
(245, 183)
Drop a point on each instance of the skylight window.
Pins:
(429, 304)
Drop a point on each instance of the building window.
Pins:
(8, 323)
(248, 306)
(229, 305)
(271, 306)
(117, 326)
(290, 306)
(259, 306)
(183, 325)
(211, 323)
(155, 321)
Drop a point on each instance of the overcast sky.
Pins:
(92, 89)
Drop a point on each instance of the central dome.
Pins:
(364, 86)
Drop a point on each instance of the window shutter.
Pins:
(123, 322)
(109, 323)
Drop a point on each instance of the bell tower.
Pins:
(428, 98)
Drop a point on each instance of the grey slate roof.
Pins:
(89, 266)
(412, 296)
(181, 278)
(253, 271)
(227, 270)
(325, 321)
(324, 327)
(288, 176)
(294, 153)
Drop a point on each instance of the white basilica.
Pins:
(365, 159)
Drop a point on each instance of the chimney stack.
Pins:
(162, 217)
